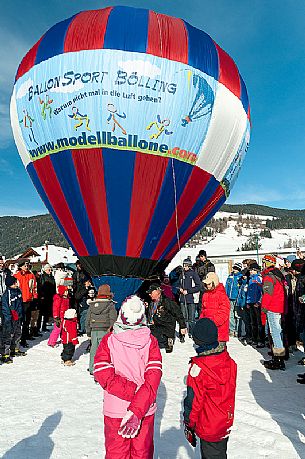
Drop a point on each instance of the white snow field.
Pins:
(48, 411)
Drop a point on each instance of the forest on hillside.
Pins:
(19, 233)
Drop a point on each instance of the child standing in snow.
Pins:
(12, 313)
(128, 366)
(69, 336)
(61, 303)
(211, 386)
(100, 318)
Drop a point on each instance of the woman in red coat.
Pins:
(216, 305)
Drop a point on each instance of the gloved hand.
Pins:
(190, 435)
(130, 425)
(57, 321)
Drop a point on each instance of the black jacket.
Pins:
(46, 286)
(79, 279)
(203, 268)
(165, 317)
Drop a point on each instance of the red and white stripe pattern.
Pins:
(154, 365)
(99, 366)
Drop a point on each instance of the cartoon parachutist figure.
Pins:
(113, 113)
(161, 126)
(77, 116)
(46, 105)
(28, 121)
(203, 102)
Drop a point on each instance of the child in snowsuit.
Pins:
(100, 318)
(69, 336)
(210, 400)
(128, 366)
(232, 287)
(12, 315)
(61, 303)
(254, 297)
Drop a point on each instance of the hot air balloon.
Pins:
(133, 126)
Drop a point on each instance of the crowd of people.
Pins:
(267, 306)
(259, 306)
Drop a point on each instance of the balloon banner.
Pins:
(133, 127)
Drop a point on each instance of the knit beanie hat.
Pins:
(205, 334)
(238, 266)
(187, 262)
(10, 280)
(91, 292)
(254, 266)
(291, 258)
(132, 312)
(70, 314)
(47, 266)
(269, 260)
(211, 277)
(104, 291)
(62, 289)
(297, 264)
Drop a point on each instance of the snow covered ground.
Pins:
(53, 412)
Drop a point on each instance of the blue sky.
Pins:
(265, 38)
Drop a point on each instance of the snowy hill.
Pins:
(238, 229)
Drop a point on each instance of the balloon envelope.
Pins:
(132, 126)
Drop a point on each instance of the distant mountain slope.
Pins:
(18, 233)
(257, 209)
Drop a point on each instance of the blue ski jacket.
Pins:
(232, 285)
(255, 289)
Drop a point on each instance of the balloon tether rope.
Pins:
(176, 210)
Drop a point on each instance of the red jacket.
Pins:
(216, 306)
(69, 331)
(60, 305)
(128, 366)
(273, 290)
(27, 284)
(210, 401)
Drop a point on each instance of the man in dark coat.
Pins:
(4, 273)
(190, 285)
(162, 314)
(80, 277)
(203, 266)
(46, 291)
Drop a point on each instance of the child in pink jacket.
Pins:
(128, 365)
(61, 303)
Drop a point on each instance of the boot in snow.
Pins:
(69, 363)
(286, 357)
(170, 345)
(18, 353)
(6, 359)
(302, 361)
(277, 363)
